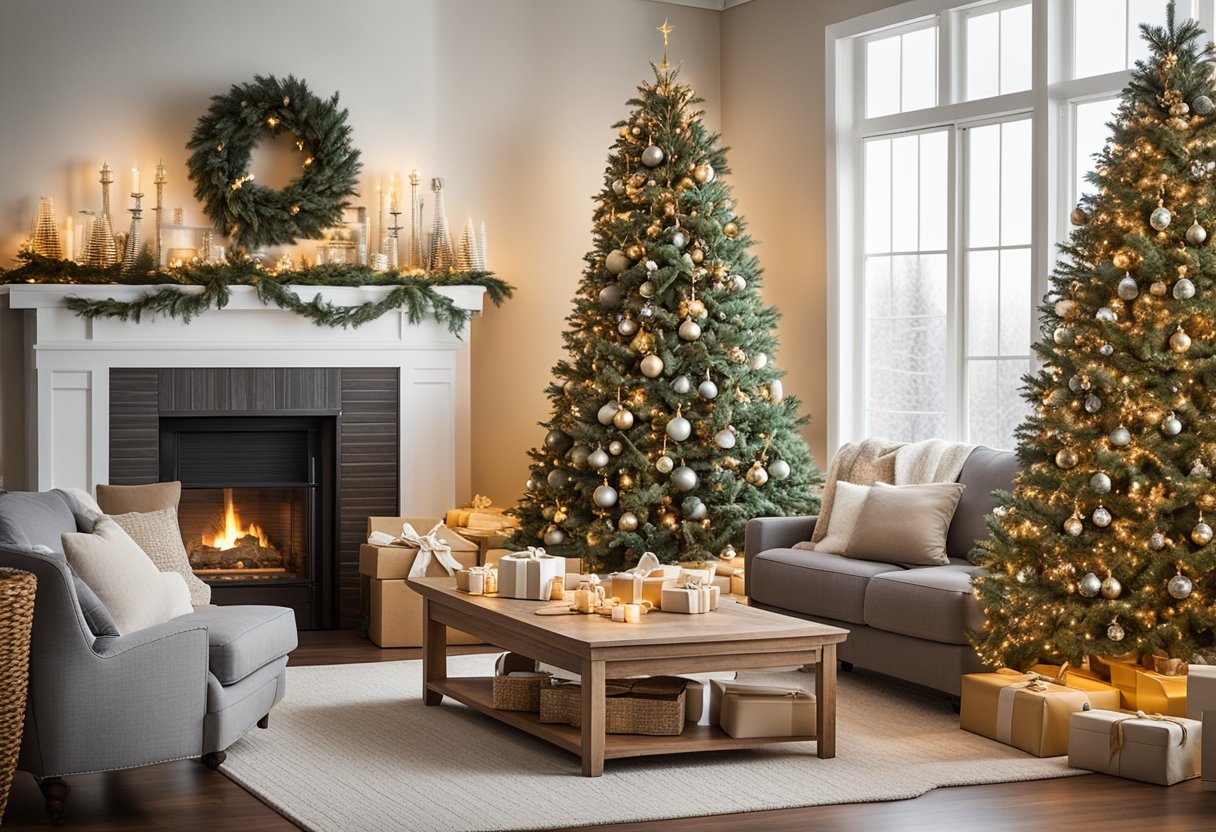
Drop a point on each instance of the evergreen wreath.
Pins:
(253, 215)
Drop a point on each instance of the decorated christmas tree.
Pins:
(1105, 545)
(670, 428)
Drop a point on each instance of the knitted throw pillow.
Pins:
(159, 535)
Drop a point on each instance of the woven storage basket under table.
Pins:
(652, 706)
(16, 621)
(519, 693)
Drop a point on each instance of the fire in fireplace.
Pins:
(234, 549)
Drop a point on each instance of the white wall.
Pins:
(512, 101)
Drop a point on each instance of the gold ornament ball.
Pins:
(697, 255)
(559, 516)
(652, 366)
(1065, 457)
(1111, 588)
(731, 229)
(1121, 261)
(756, 475)
(1180, 342)
(684, 184)
(668, 521)
(623, 419)
(625, 480)
(635, 252)
(696, 309)
(664, 464)
(703, 173)
(627, 522)
(1158, 289)
(1201, 534)
(1073, 526)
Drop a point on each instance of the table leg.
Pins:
(825, 696)
(434, 654)
(593, 718)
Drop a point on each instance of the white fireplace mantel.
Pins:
(68, 359)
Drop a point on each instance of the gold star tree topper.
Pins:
(666, 29)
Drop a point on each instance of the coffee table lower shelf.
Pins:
(477, 693)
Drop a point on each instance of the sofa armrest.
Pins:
(765, 533)
(140, 698)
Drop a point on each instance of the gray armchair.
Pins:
(99, 701)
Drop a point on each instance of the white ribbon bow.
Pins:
(531, 553)
(429, 545)
(646, 564)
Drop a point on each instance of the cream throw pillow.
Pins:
(158, 534)
(846, 510)
(135, 592)
(905, 524)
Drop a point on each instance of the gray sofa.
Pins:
(906, 622)
(99, 701)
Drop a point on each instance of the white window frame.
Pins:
(1049, 102)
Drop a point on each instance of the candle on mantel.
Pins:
(69, 238)
(135, 180)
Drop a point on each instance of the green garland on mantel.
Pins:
(413, 293)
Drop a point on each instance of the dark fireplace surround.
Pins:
(280, 469)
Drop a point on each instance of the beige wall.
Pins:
(512, 101)
(773, 92)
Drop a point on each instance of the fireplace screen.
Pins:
(246, 533)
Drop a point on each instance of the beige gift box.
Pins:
(478, 580)
(750, 710)
(394, 562)
(693, 600)
(1158, 750)
(396, 617)
(529, 575)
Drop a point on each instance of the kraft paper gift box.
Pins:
(529, 575)
(752, 710)
(478, 580)
(694, 599)
(1156, 749)
(396, 617)
(393, 561)
(738, 585)
(1020, 710)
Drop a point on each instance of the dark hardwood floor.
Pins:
(187, 796)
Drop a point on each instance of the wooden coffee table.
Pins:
(734, 637)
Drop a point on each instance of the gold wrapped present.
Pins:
(530, 574)
(1101, 694)
(751, 710)
(478, 580)
(1157, 693)
(738, 584)
(1020, 709)
(1150, 747)
(642, 582)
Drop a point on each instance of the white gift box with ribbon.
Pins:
(690, 595)
(1147, 747)
(529, 574)
(478, 580)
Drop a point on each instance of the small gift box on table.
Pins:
(653, 705)
(1155, 749)
(478, 580)
(751, 710)
(643, 582)
(689, 595)
(529, 574)
(1024, 710)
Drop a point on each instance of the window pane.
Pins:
(1015, 183)
(882, 77)
(1013, 408)
(1099, 33)
(905, 165)
(1151, 12)
(983, 185)
(878, 287)
(934, 160)
(1016, 49)
(983, 55)
(1016, 302)
(919, 69)
(994, 401)
(983, 302)
(1091, 118)
(878, 195)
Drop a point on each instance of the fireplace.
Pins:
(258, 507)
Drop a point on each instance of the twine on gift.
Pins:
(1116, 729)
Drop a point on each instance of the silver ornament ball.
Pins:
(607, 412)
(1106, 349)
(1115, 631)
(758, 361)
(1090, 585)
(580, 453)
(1156, 541)
(1073, 527)
(679, 239)
(1184, 289)
(682, 384)
(708, 390)
(1106, 315)
(725, 439)
(652, 366)
(776, 390)
(1099, 483)
(679, 428)
(610, 296)
(627, 326)
(1063, 336)
(1092, 403)
(738, 283)
(1120, 436)
(690, 330)
(616, 262)
(1196, 234)
(693, 508)
(1202, 533)
(652, 156)
(1160, 218)
(684, 478)
(554, 536)
(1128, 289)
(605, 496)
(1172, 426)
(664, 464)
(1101, 517)
(597, 458)
(1202, 105)
(779, 469)
(558, 478)
(1180, 586)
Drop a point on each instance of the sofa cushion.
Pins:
(244, 638)
(82, 505)
(159, 535)
(34, 518)
(985, 471)
(933, 602)
(846, 512)
(813, 583)
(906, 524)
(124, 499)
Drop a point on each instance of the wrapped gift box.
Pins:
(478, 580)
(1164, 751)
(396, 617)
(1160, 694)
(529, 575)
(738, 585)
(1021, 710)
(686, 599)
(1201, 692)
(394, 562)
(632, 587)
(1101, 694)
(751, 710)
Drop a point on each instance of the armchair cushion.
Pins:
(123, 499)
(132, 589)
(244, 638)
(100, 622)
(158, 534)
(30, 518)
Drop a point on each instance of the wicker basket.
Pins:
(519, 693)
(16, 620)
(652, 706)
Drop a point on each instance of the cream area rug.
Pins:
(352, 747)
